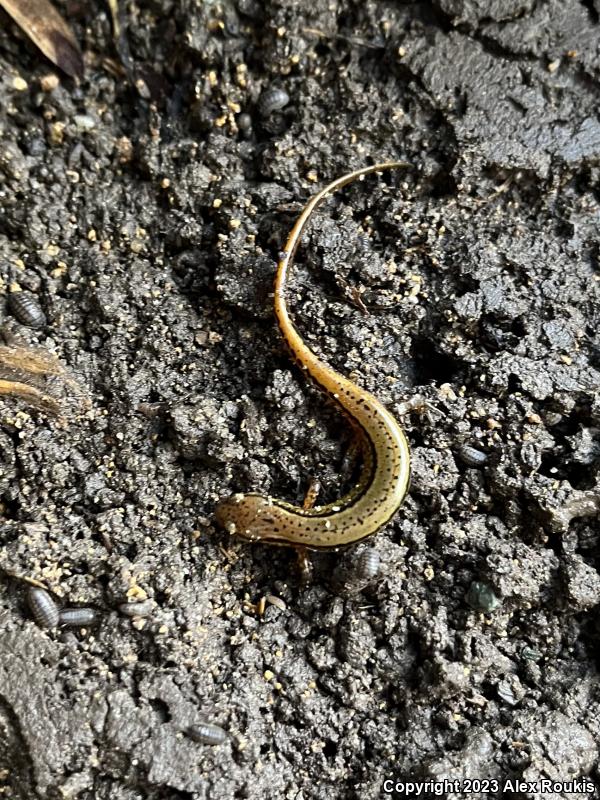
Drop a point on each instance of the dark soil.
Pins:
(147, 224)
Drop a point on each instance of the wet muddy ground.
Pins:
(147, 224)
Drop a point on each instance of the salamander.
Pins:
(385, 473)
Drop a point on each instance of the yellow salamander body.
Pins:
(385, 473)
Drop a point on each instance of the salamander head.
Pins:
(250, 516)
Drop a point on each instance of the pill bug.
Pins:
(206, 733)
(368, 564)
(271, 100)
(141, 609)
(25, 307)
(43, 608)
(78, 617)
(471, 456)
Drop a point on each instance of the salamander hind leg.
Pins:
(310, 498)
(355, 455)
(305, 566)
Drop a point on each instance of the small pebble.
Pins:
(250, 8)
(206, 733)
(244, 121)
(49, 82)
(79, 617)
(43, 608)
(530, 654)
(552, 418)
(272, 100)
(26, 309)
(84, 122)
(19, 84)
(506, 693)
(482, 597)
(276, 601)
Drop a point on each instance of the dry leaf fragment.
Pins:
(49, 31)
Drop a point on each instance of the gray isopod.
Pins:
(273, 99)
(142, 609)
(471, 456)
(43, 608)
(78, 617)
(368, 563)
(206, 733)
(26, 309)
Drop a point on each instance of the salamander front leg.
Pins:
(310, 498)
(305, 566)
(419, 405)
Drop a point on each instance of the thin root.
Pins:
(35, 362)
(30, 394)
(21, 368)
